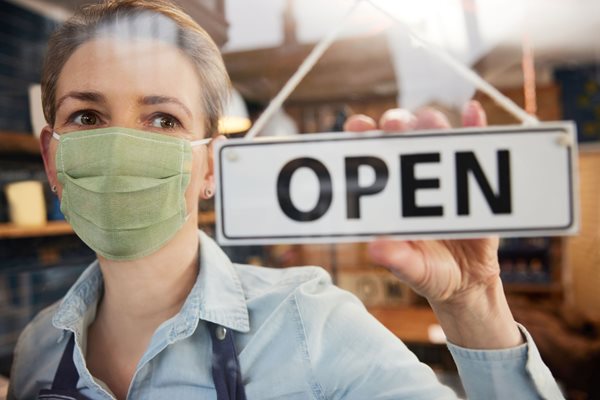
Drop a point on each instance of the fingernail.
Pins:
(398, 119)
(429, 118)
(359, 123)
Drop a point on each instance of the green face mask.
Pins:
(123, 189)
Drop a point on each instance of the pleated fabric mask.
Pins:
(123, 189)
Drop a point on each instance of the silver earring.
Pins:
(208, 192)
(53, 189)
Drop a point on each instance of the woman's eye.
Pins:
(85, 118)
(165, 122)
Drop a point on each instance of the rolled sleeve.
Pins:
(515, 373)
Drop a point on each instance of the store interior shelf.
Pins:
(206, 218)
(395, 319)
(18, 143)
(544, 287)
(55, 228)
(52, 228)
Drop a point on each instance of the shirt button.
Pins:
(220, 332)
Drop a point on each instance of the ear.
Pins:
(208, 187)
(47, 156)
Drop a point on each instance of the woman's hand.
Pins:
(459, 278)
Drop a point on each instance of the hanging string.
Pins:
(308, 63)
(464, 71)
(326, 42)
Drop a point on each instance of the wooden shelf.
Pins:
(56, 228)
(411, 324)
(206, 218)
(18, 143)
(52, 228)
(532, 288)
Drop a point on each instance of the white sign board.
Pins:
(470, 182)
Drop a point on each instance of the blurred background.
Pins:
(543, 54)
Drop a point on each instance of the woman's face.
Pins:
(139, 84)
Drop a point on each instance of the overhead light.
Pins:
(280, 124)
(235, 117)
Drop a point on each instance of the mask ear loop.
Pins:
(55, 136)
(200, 142)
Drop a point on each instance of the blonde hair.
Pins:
(151, 19)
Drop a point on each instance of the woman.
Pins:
(132, 90)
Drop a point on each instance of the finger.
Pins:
(429, 118)
(400, 257)
(398, 120)
(359, 123)
(473, 114)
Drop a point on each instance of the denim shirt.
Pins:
(297, 337)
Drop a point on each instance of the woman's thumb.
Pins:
(402, 258)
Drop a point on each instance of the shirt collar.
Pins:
(217, 296)
(218, 289)
(74, 306)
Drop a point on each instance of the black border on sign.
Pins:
(540, 130)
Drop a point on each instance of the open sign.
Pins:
(516, 181)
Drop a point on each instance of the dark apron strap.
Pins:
(225, 365)
(225, 370)
(64, 386)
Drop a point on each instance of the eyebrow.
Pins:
(93, 97)
(152, 100)
(97, 97)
